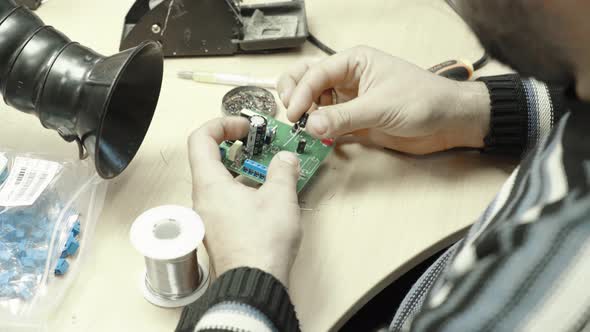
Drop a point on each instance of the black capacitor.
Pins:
(256, 135)
(301, 146)
(303, 120)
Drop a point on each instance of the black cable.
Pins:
(484, 59)
(481, 62)
(317, 43)
(329, 51)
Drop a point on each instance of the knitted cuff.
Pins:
(508, 121)
(250, 286)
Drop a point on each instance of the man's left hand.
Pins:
(245, 227)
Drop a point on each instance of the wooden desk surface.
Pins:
(369, 216)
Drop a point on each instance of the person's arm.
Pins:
(523, 112)
(400, 106)
(242, 299)
(252, 237)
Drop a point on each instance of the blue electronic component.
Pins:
(5, 277)
(62, 267)
(25, 238)
(38, 234)
(255, 169)
(23, 245)
(5, 255)
(38, 255)
(8, 231)
(76, 228)
(20, 233)
(28, 262)
(71, 247)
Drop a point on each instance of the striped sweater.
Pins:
(521, 267)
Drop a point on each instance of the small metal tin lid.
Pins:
(249, 97)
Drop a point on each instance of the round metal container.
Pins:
(251, 98)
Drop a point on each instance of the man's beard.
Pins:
(539, 62)
(508, 32)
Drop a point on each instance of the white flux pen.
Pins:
(228, 79)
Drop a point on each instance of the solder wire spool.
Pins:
(168, 237)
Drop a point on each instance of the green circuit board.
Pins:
(285, 140)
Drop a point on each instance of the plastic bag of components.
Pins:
(48, 210)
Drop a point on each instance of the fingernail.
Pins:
(318, 123)
(289, 158)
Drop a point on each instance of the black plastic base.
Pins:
(216, 27)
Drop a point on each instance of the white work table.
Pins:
(369, 216)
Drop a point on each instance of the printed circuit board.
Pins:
(251, 156)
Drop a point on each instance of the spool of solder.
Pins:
(168, 237)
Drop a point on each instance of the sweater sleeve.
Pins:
(523, 113)
(243, 299)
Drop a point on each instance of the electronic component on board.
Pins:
(256, 135)
(328, 142)
(301, 146)
(271, 133)
(303, 120)
(255, 169)
(235, 151)
(277, 137)
(246, 113)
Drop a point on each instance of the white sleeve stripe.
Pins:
(231, 321)
(533, 113)
(545, 107)
(235, 317)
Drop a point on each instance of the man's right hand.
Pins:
(394, 103)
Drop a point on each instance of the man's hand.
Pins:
(245, 227)
(394, 103)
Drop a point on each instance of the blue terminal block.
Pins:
(255, 169)
(62, 267)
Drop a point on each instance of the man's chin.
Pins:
(554, 79)
(542, 69)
